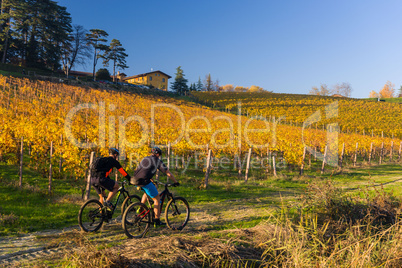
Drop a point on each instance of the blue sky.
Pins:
(282, 46)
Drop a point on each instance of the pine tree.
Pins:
(97, 41)
(34, 32)
(116, 54)
(179, 85)
(193, 87)
(199, 85)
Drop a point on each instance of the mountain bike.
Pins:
(92, 213)
(138, 217)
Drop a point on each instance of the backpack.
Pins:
(93, 168)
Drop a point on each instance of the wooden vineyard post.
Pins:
(315, 153)
(268, 160)
(324, 160)
(61, 158)
(355, 159)
(21, 160)
(342, 155)
(183, 163)
(392, 151)
(399, 152)
(261, 164)
(302, 165)
(50, 168)
(274, 164)
(88, 188)
(208, 169)
(381, 152)
(239, 164)
(116, 175)
(168, 156)
(248, 164)
(370, 153)
(374, 152)
(176, 160)
(157, 176)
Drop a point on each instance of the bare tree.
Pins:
(77, 50)
(216, 85)
(344, 89)
(322, 91)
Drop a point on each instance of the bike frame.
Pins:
(121, 191)
(163, 195)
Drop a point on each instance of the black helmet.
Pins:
(114, 151)
(156, 150)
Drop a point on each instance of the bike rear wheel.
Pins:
(177, 213)
(91, 216)
(128, 201)
(136, 220)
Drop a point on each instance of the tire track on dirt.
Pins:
(17, 251)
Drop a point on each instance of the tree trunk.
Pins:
(88, 188)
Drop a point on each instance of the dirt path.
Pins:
(58, 244)
(205, 220)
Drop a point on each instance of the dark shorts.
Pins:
(106, 183)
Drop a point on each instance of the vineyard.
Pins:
(59, 126)
(355, 115)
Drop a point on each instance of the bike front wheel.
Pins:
(91, 216)
(136, 220)
(128, 201)
(177, 213)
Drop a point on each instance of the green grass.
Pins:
(31, 208)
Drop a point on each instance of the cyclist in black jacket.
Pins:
(143, 178)
(100, 172)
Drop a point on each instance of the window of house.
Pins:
(163, 79)
(150, 78)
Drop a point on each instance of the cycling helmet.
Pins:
(156, 150)
(114, 151)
